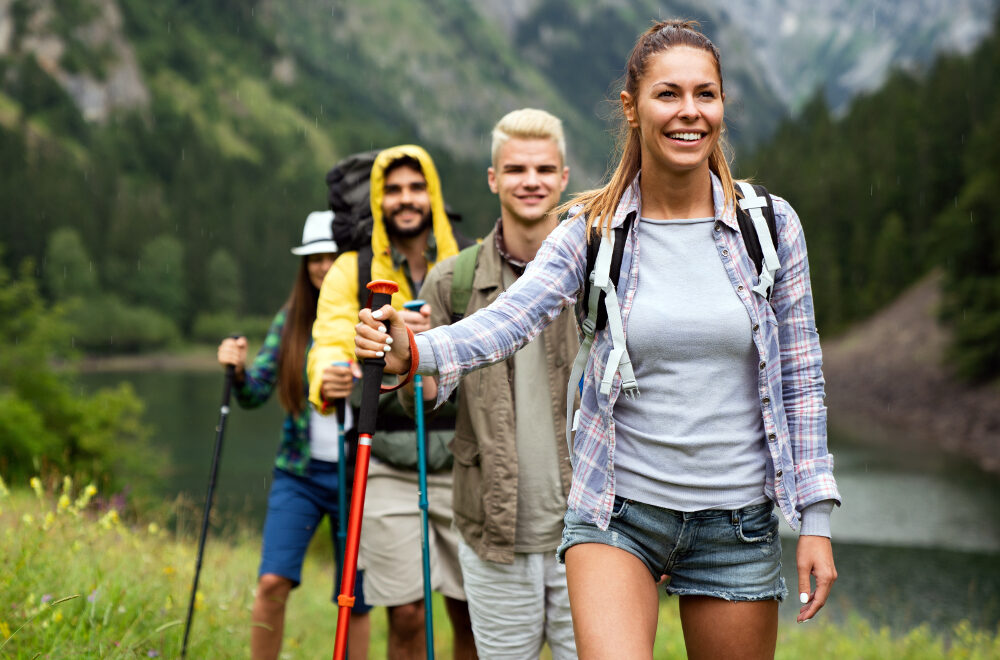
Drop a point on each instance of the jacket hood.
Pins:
(446, 244)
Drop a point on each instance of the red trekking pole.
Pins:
(371, 387)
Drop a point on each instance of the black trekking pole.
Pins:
(371, 388)
(227, 386)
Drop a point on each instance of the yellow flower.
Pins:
(169, 570)
(36, 485)
(67, 484)
(57, 617)
(49, 519)
(85, 497)
(4, 630)
(153, 529)
(110, 519)
(63, 502)
(27, 519)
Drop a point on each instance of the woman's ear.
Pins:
(628, 108)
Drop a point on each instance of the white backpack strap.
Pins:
(589, 328)
(753, 203)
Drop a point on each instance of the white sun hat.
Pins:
(317, 235)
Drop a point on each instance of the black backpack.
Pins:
(747, 231)
(348, 194)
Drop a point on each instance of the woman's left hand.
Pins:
(814, 557)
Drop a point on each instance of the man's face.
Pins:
(528, 178)
(406, 205)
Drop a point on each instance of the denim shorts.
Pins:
(295, 508)
(728, 554)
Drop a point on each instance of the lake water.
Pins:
(917, 540)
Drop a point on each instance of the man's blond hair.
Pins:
(528, 123)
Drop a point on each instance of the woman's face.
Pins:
(678, 110)
(317, 265)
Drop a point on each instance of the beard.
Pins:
(407, 232)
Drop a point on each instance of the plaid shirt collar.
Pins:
(515, 264)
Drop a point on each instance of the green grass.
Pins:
(78, 582)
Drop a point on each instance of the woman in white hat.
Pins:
(305, 484)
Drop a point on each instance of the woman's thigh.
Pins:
(614, 602)
(717, 628)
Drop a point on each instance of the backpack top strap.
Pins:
(461, 281)
(761, 237)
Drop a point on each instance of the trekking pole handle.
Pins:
(371, 383)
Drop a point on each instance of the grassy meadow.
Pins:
(79, 581)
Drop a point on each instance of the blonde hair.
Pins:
(599, 204)
(528, 123)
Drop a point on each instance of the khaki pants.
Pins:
(390, 550)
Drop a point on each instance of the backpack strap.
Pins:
(461, 281)
(620, 233)
(760, 235)
(609, 250)
(365, 256)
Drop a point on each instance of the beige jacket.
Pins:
(484, 494)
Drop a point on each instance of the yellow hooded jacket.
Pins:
(337, 310)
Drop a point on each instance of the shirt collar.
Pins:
(631, 201)
(516, 265)
(430, 252)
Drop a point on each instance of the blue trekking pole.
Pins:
(418, 388)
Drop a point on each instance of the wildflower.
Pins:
(169, 570)
(85, 497)
(36, 485)
(27, 519)
(110, 519)
(4, 630)
(153, 529)
(57, 617)
(45, 598)
(67, 484)
(152, 653)
(93, 596)
(63, 503)
(49, 519)
(199, 600)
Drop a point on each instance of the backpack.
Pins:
(461, 281)
(755, 214)
(349, 199)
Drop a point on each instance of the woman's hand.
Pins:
(338, 379)
(372, 341)
(814, 556)
(233, 352)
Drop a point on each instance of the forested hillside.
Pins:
(905, 182)
(158, 158)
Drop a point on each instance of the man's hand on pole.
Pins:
(372, 341)
(337, 381)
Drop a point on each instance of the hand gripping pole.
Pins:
(371, 383)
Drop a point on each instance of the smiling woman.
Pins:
(686, 481)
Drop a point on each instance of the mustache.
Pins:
(404, 207)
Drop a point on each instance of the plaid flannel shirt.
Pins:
(790, 378)
(258, 384)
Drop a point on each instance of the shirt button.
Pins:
(778, 474)
(725, 253)
(756, 327)
(739, 288)
(718, 226)
(771, 437)
(763, 364)
(766, 400)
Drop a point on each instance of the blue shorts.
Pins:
(295, 508)
(733, 555)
